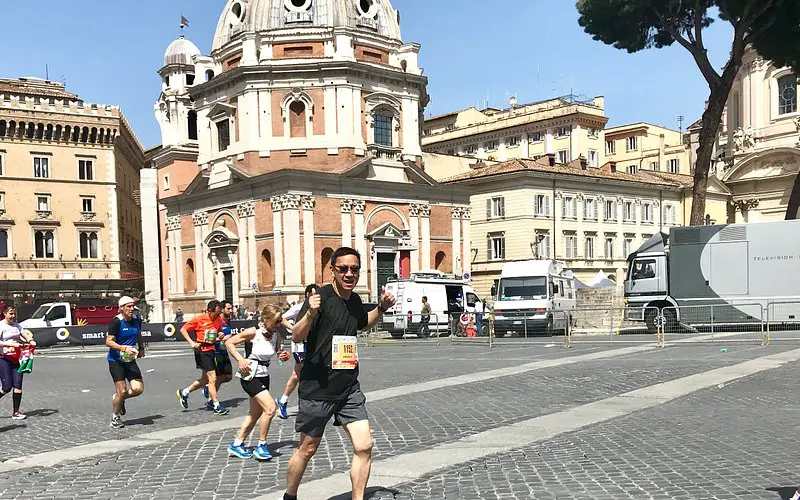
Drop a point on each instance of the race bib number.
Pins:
(210, 336)
(344, 353)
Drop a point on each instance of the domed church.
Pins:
(299, 133)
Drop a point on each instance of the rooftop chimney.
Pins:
(551, 159)
(584, 162)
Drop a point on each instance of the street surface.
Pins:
(602, 420)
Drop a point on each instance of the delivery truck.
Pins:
(54, 314)
(696, 274)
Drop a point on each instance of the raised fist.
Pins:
(314, 301)
(387, 299)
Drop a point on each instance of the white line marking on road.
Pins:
(401, 469)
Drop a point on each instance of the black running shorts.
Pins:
(314, 415)
(205, 360)
(255, 386)
(121, 371)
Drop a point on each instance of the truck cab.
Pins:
(647, 281)
(533, 296)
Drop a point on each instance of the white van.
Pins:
(449, 297)
(533, 296)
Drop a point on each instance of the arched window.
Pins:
(40, 131)
(192, 124)
(48, 133)
(2, 128)
(3, 243)
(439, 260)
(297, 119)
(85, 135)
(209, 74)
(88, 243)
(267, 275)
(189, 278)
(787, 94)
(93, 135)
(45, 244)
(383, 129)
(76, 133)
(58, 134)
(325, 260)
(12, 128)
(31, 131)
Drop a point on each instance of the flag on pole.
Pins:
(184, 22)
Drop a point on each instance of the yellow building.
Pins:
(568, 127)
(69, 180)
(642, 146)
(591, 218)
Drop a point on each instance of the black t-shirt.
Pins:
(336, 317)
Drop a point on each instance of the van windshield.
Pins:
(39, 314)
(523, 288)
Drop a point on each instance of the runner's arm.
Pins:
(111, 338)
(231, 342)
(185, 332)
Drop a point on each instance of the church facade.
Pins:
(298, 134)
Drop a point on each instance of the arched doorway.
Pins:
(223, 246)
(267, 274)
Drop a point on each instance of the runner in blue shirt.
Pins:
(222, 359)
(125, 346)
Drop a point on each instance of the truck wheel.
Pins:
(499, 333)
(485, 330)
(397, 335)
(650, 321)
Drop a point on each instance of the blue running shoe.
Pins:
(221, 410)
(239, 451)
(209, 405)
(184, 400)
(262, 453)
(205, 393)
(283, 412)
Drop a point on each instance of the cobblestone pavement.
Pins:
(665, 452)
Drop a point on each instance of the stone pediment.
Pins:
(388, 231)
(772, 163)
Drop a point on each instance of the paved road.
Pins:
(733, 441)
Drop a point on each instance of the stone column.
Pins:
(425, 227)
(466, 255)
(291, 240)
(347, 207)
(247, 257)
(178, 253)
(747, 98)
(309, 250)
(277, 238)
(413, 220)
(456, 234)
(235, 259)
(620, 246)
(359, 206)
(173, 226)
(200, 219)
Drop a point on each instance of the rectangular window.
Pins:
(669, 214)
(43, 202)
(655, 167)
(535, 137)
(383, 130)
(88, 245)
(496, 208)
(628, 212)
(490, 145)
(543, 245)
(44, 244)
(563, 156)
(609, 248)
(497, 247)
(2, 200)
(632, 143)
(2, 164)
(647, 212)
(674, 165)
(570, 207)
(563, 131)
(632, 169)
(611, 147)
(87, 204)
(470, 149)
(571, 246)
(166, 182)
(4, 243)
(223, 135)
(590, 208)
(85, 170)
(41, 167)
(611, 210)
(592, 160)
(589, 247)
(541, 206)
(512, 142)
(627, 247)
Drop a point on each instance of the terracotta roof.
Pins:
(542, 165)
(35, 87)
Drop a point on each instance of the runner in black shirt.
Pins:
(329, 322)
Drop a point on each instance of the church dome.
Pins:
(375, 16)
(181, 51)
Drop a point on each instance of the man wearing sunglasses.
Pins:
(329, 322)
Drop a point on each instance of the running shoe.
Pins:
(116, 422)
(18, 416)
(184, 400)
(283, 412)
(239, 451)
(122, 410)
(209, 405)
(221, 410)
(262, 453)
(205, 393)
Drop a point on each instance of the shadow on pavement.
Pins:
(233, 402)
(370, 493)
(144, 420)
(11, 427)
(44, 412)
(275, 448)
(786, 492)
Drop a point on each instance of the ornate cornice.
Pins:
(246, 209)
(200, 218)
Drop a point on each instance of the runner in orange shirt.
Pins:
(208, 330)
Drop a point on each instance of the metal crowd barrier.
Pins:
(783, 321)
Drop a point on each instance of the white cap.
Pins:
(125, 300)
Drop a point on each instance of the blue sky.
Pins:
(109, 53)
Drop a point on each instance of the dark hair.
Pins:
(425, 298)
(5, 307)
(343, 252)
(225, 303)
(212, 305)
(310, 289)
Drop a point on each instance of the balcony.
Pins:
(54, 263)
(380, 152)
(297, 17)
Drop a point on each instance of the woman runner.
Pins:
(11, 339)
(263, 344)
